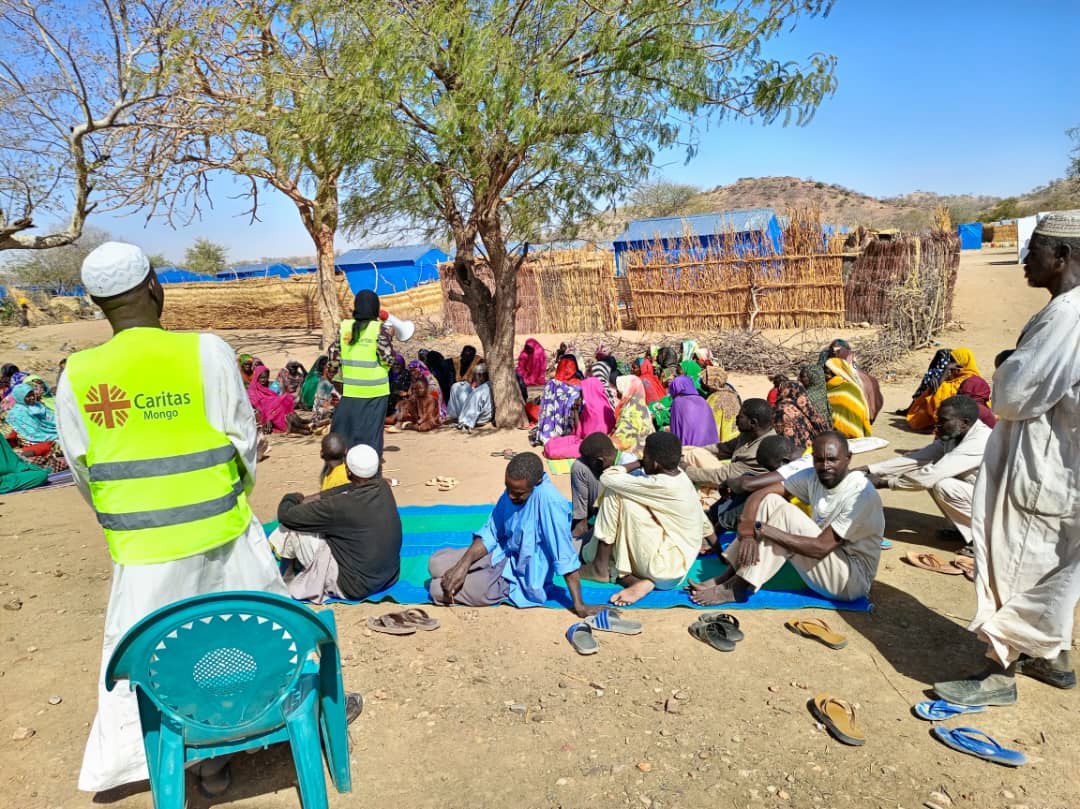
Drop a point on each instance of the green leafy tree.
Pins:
(159, 260)
(1073, 170)
(500, 119)
(257, 84)
(205, 257)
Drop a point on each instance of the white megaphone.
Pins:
(403, 329)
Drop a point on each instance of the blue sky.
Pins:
(951, 97)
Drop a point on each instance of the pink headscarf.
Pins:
(533, 367)
(271, 407)
(596, 416)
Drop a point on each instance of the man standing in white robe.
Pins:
(119, 278)
(1026, 512)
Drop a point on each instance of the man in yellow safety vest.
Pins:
(160, 436)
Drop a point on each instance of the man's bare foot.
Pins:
(708, 584)
(593, 573)
(712, 595)
(635, 591)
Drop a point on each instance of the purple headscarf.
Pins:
(691, 417)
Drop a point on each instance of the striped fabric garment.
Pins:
(851, 416)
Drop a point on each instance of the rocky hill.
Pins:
(838, 204)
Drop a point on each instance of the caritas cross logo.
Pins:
(107, 406)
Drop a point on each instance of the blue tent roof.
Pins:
(706, 224)
(387, 255)
(178, 275)
(255, 271)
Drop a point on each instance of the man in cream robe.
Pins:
(1025, 520)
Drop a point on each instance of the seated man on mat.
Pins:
(649, 529)
(348, 539)
(706, 466)
(946, 468)
(835, 552)
(522, 547)
(775, 452)
(597, 453)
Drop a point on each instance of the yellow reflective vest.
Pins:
(165, 483)
(362, 375)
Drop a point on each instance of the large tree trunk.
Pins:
(329, 307)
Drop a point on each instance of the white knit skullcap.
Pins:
(1064, 224)
(362, 461)
(114, 268)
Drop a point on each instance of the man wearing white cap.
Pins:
(347, 539)
(1026, 511)
(160, 436)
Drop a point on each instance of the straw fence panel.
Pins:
(907, 282)
(740, 282)
(281, 303)
(558, 291)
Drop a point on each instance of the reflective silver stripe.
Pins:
(154, 467)
(162, 517)
(365, 383)
(361, 363)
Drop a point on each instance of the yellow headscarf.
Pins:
(966, 360)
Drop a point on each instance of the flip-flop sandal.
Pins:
(581, 638)
(838, 717)
(886, 544)
(817, 629)
(966, 565)
(392, 428)
(967, 740)
(446, 487)
(940, 709)
(419, 618)
(432, 482)
(714, 634)
(392, 623)
(609, 620)
(931, 562)
(730, 623)
(506, 453)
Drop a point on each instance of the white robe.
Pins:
(114, 751)
(1025, 518)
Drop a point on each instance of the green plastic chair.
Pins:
(225, 672)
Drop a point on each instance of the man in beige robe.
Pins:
(1025, 521)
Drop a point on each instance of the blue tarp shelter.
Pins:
(970, 236)
(242, 271)
(178, 275)
(682, 237)
(387, 270)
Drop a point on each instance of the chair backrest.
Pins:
(220, 660)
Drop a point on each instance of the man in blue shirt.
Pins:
(524, 544)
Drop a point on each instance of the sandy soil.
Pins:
(437, 730)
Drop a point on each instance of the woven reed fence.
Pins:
(280, 303)
(740, 281)
(906, 282)
(558, 291)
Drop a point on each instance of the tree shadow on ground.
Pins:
(264, 772)
(916, 641)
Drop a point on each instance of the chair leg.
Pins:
(335, 732)
(164, 757)
(303, 727)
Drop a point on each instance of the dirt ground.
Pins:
(438, 731)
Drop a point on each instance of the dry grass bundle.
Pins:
(558, 291)
(1000, 234)
(740, 280)
(282, 303)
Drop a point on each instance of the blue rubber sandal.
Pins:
(609, 620)
(581, 638)
(966, 740)
(940, 709)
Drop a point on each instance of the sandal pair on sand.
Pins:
(445, 484)
(718, 629)
(971, 741)
(581, 637)
(960, 566)
(403, 623)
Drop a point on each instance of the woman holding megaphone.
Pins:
(367, 352)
